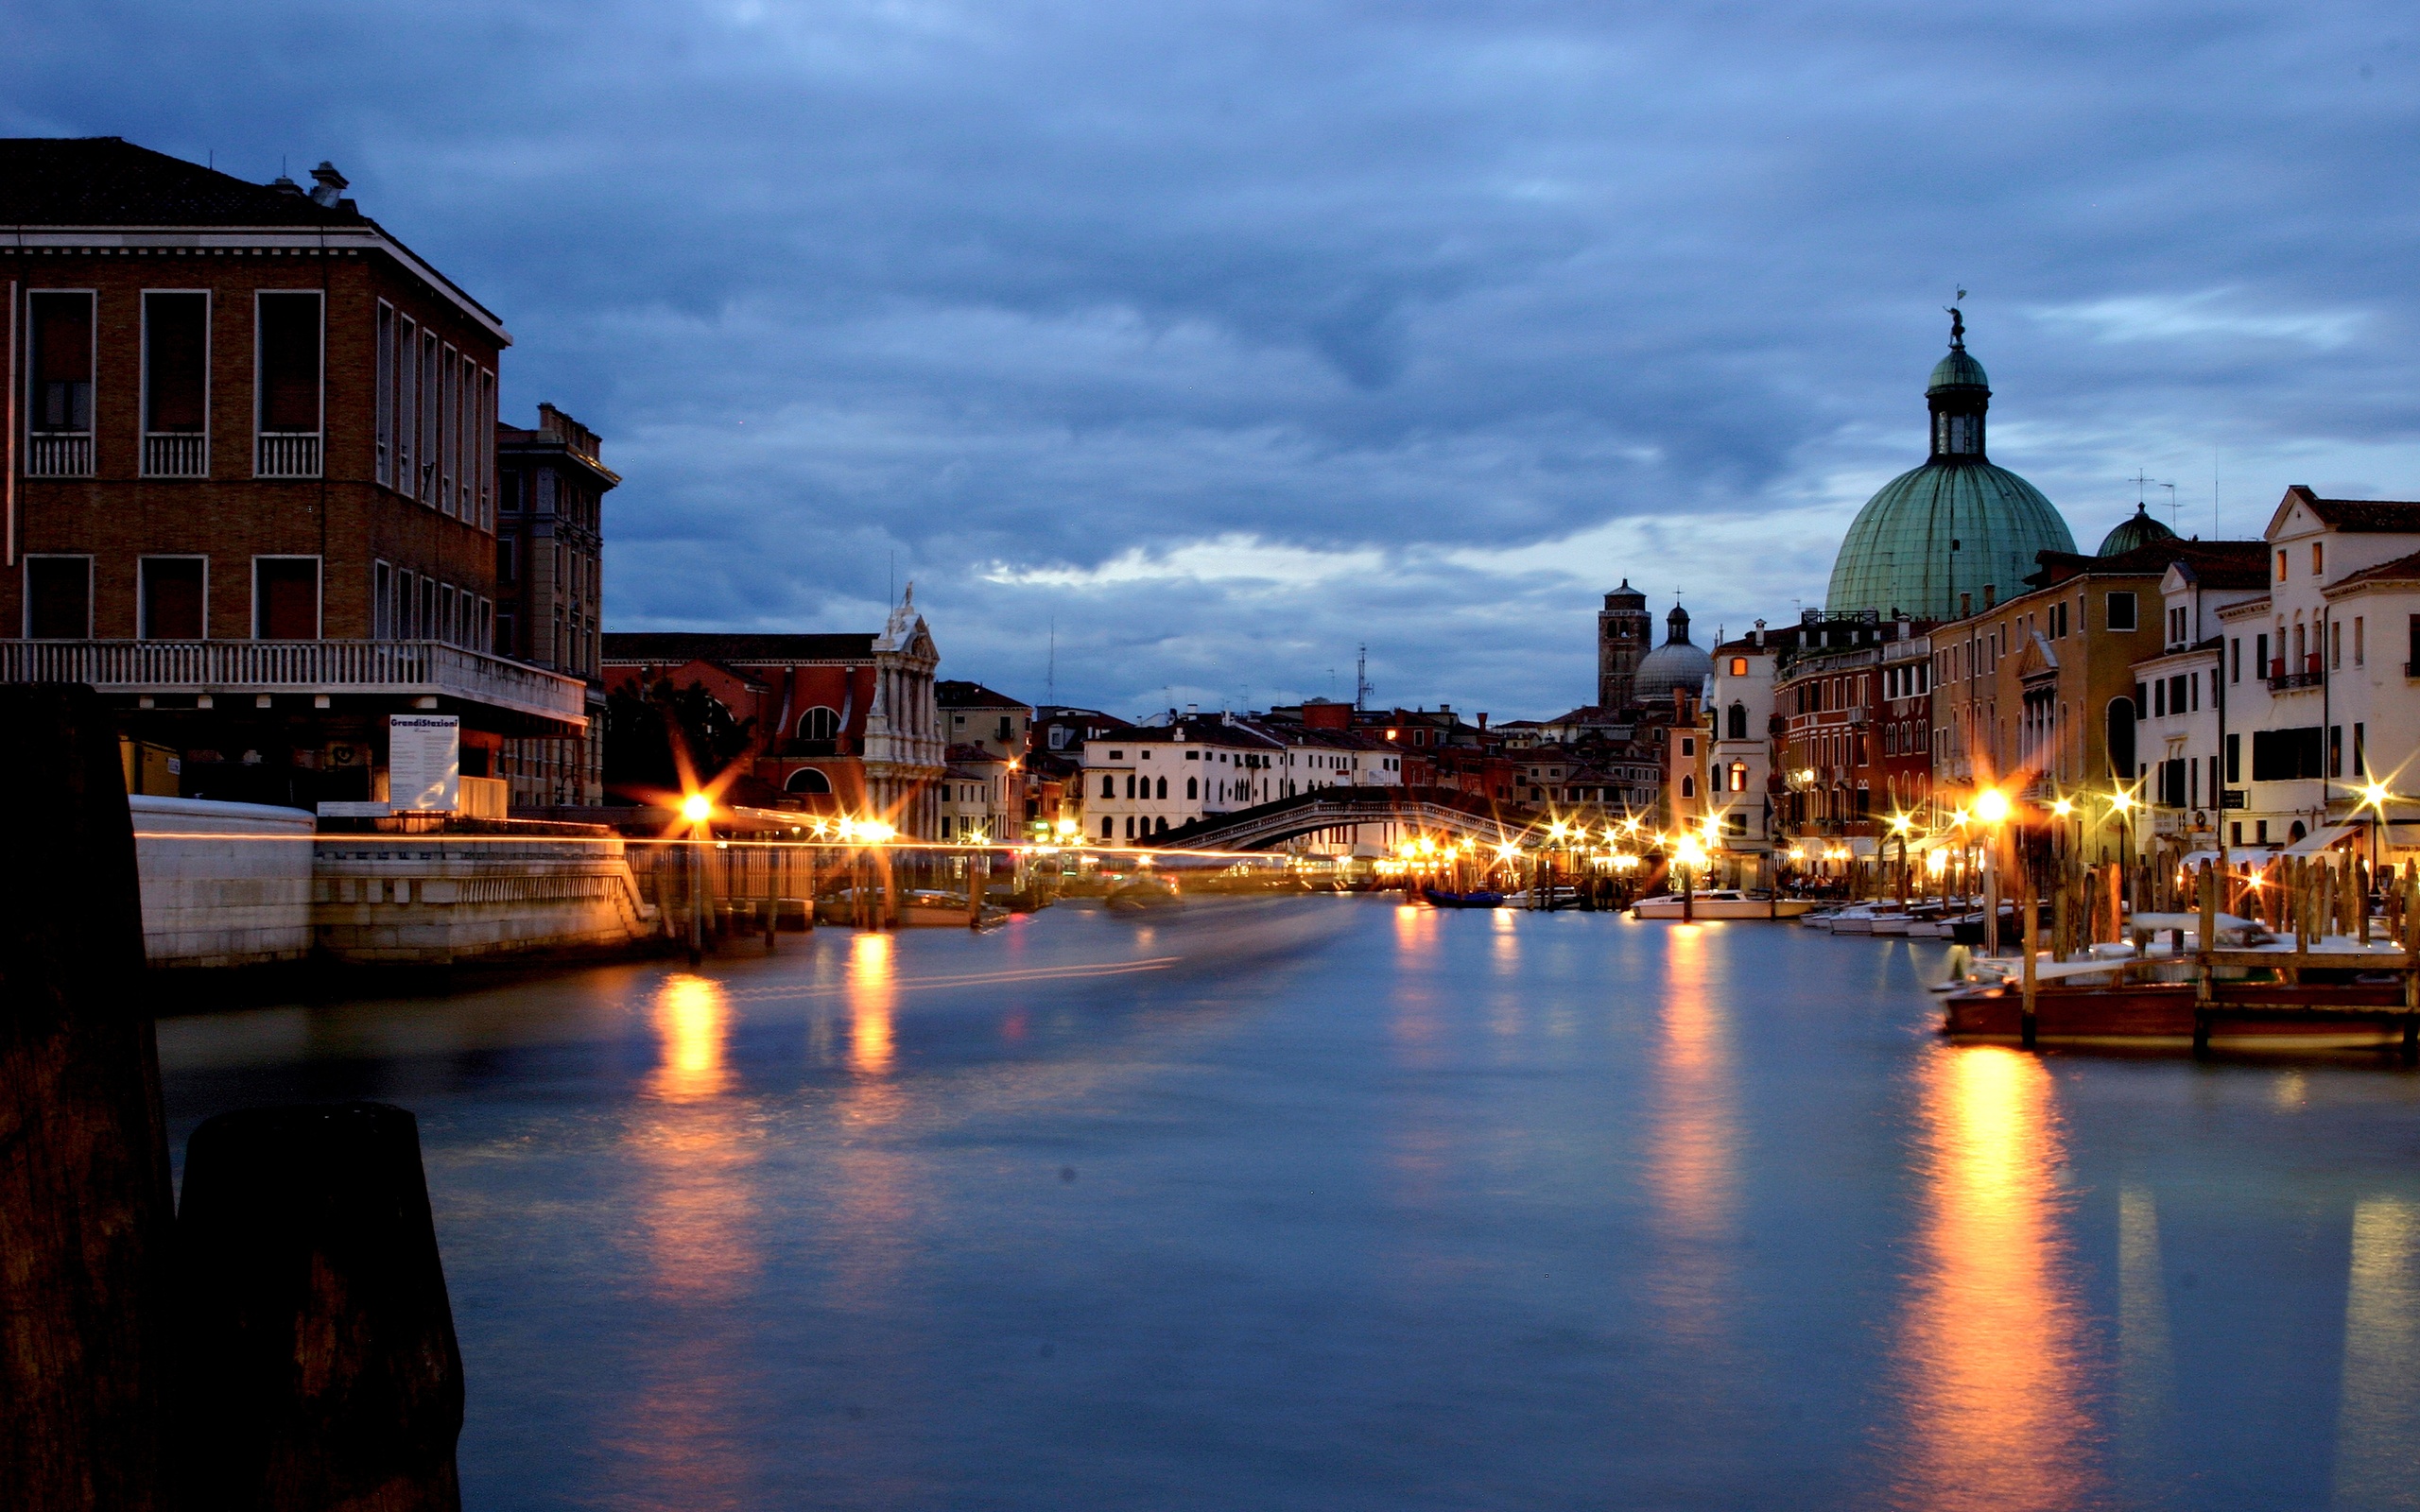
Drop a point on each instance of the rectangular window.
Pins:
(505, 565)
(286, 357)
(483, 427)
(2281, 564)
(382, 602)
(407, 617)
(2193, 781)
(385, 426)
(504, 626)
(176, 385)
(2335, 645)
(2159, 696)
(407, 403)
(285, 598)
(425, 625)
(174, 602)
(2361, 750)
(2318, 559)
(2287, 755)
(2235, 758)
(2193, 682)
(426, 491)
(58, 598)
(59, 362)
(2121, 609)
(2336, 750)
(447, 630)
(2235, 660)
(2260, 656)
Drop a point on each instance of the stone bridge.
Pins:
(1440, 811)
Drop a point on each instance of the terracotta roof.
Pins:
(656, 646)
(2361, 516)
(958, 693)
(107, 181)
(2204, 556)
(2401, 569)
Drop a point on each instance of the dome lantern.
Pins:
(1945, 540)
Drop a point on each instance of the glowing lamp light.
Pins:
(1991, 806)
(2122, 800)
(1066, 826)
(697, 808)
(2375, 795)
(873, 832)
(1690, 853)
(2063, 808)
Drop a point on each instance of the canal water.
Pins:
(1330, 1203)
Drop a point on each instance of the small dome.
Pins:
(1677, 663)
(1957, 371)
(2139, 529)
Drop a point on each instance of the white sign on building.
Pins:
(424, 762)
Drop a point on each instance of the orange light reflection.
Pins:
(872, 993)
(1991, 1342)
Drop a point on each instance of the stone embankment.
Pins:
(227, 884)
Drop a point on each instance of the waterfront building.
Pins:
(1853, 743)
(2319, 690)
(247, 483)
(2181, 696)
(1739, 733)
(981, 797)
(1957, 535)
(975, 714)
(840, 724)
(551, 483)
(2040, 690)
(1145, 780)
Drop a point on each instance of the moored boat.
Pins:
(1441, 898)
(1720, 902)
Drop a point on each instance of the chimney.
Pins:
(1193, 710)
(1757, 637)
(332, 185)
(1482, 722)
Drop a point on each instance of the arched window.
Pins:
(2121, 739)
(1737, 728)
(1108, 785)
(1108, 829)
(806, 779)
(1164, 824)
(1129, 789)
(1130, 826)
(1688, 786)
(1193, 787)
(1163, 787)
(1738, 776)
(820, 723)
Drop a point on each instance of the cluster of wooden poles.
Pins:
(281, 1338)
(708, 891)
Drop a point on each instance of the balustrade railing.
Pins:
(59, 457)
(418, 668)
(175, 455)
(288, 457)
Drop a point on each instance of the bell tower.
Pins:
(1622, 630)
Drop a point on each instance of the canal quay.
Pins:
(1336, 1202)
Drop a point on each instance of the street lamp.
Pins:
(1991, 810)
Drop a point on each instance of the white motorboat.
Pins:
(1720, 902)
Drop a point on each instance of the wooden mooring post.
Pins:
(317, 1365)
(2032, 934)
(85, 1211)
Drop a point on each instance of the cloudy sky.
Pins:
(1229, 337)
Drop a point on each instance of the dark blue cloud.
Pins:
(1234, 335)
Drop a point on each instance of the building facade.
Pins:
(843, 725)
(1624, 633)
(551, 483)
(249, 484)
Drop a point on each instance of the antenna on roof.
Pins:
(1361, 678)
(2172, 502)
(1050, 675)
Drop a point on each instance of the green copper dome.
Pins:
(2138, 530)
(1956, 370)
(1943, 541)
(1940, 531)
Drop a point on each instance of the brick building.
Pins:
(248, 488)
(551, 484)
(840, 724)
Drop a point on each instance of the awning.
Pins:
(2236, 856)
(2319, 839)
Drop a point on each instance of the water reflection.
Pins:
(692, 1207)
(1990, 1342)
(2144, 1361)
(1694, 1148)
(873, 995)
(2378, 1414)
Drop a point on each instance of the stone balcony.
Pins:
(417, 670)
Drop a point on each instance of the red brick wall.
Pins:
(344, 518)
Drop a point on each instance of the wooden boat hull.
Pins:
(1463, 900)
(1665, 905)
(2161, 1016)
